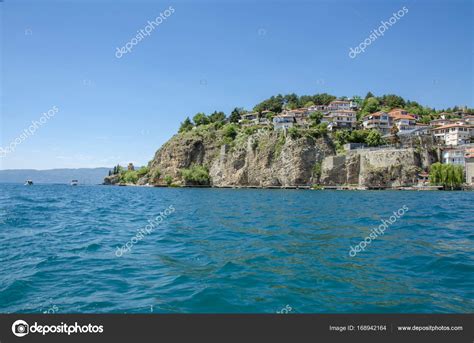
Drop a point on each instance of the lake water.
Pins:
(233, 251)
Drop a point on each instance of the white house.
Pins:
(342, 119)
(316, 108)
(379, 121)
(469, 165)
(454, 134)
(338, 105)
(454, 156)
(404, 123)
(283, 122)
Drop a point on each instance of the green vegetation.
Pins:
(317, 170)
(168, 179)
(196, 174)
(155, 176)
(129, 176)
(374, 138)
(143, 171)
(368, 137)
(279, 144)
(294, 133)
(317, 131)
(230, 131)
(236, 114)
(449, 176)
(186, 125)
(291, 101)
(315, 118)
(317, 187)
(117, 170)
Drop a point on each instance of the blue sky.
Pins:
(207, 56)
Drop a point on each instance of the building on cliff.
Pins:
(454, 134)
(469, 165)
(342, 119)
(283, 122)
(379, 121)
(454, 156)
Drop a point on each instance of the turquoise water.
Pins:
(224, 250)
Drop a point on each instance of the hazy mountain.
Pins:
(89, 176)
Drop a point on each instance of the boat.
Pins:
(29, 183)
(74, 183)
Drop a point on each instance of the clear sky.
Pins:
(206, 56)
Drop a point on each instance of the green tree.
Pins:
(358, 100)
(196, 174)
(315, 118)
(168, 179)
(129, 176)
(230, 131)
(374, 138)
(392, 101)
(449, 176)
(142, 171)
(358, 136)
(155, 176)
(369, 95)
(317, 170)
(186, 125)
(236, 114)
(323, 99)
(217, 117)
(274, 104)
(201, 119)
(294, 133)
(370, 105)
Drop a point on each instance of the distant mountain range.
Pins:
(87, 176)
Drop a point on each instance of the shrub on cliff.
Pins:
(196, 174)
(201, 119)
(129, 176)
(229, 132)
(374, 138)
(155, 175)
(294, 133)
(168, 179)
(186, 125)
(142, 171)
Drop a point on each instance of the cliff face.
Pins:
(268, 158)
(376, 168)
(264, 158)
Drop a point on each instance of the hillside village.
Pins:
(342, 114)
(352, 127)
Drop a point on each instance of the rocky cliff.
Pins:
(378, 168)
(262, 158)
(267, 158)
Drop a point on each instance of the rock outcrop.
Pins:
(261, 159)
(376, 168)
(268, 158)
(112, 180)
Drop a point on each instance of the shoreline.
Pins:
(306, 187)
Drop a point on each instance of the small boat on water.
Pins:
(74, 182)
(29, 183)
